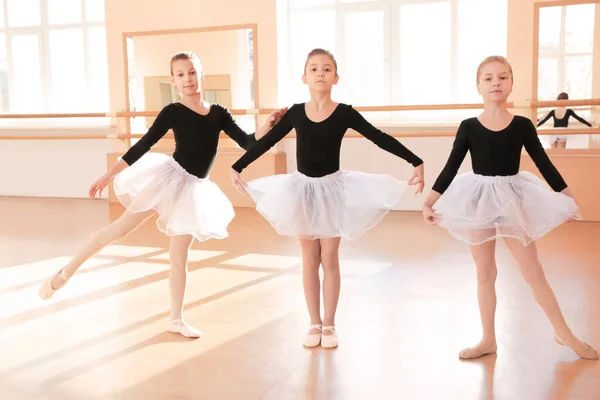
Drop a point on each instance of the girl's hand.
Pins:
(275, 116)
(238, 182)
(98, 186)
(430, 216)
(417, 178)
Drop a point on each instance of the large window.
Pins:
(403, 52)
(53, 56)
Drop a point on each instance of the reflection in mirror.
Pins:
(227, 62)
(568, 41)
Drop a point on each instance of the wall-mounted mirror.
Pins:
(568, 65)
(228, 61)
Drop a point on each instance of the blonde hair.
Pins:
(187, 55)
(323, 52)
(491, 59)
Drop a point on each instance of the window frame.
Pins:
(43, 33)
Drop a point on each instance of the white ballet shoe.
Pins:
(329, 341)
(179, 326)
(588, 354)
(46, 291)
(313, 339)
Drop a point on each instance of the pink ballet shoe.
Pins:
(313, 339)
(329, 341)
(589, 353)
(47, 291)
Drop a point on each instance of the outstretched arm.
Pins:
(259, 148)
(234, 131)
(546, 118)
(578, 118)
(161, 125)
(534, 148)
(388, 143)
(384, 141)
(455, 159)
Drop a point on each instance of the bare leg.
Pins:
(484, 256)
(178, 253)
(120, 228)
(533, 273)
(331, 279)
(561, 144)
(311, 260)
(331, 289)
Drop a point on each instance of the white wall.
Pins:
(51, 168)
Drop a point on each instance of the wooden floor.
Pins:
(408, 305)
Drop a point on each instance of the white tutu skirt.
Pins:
(560, 138)
(186, 204)
(343, 204)
(478, 208)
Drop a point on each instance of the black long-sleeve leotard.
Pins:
(319, 143)
(564, 121)
(196, 136)
(496, 153)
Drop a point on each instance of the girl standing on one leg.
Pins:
(188, 204)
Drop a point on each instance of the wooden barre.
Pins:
(54, 137)
(541, 132)
(72, 115)
(564, 103)
(263, 111)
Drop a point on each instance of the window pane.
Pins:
(64, 11)
(67, 69)
(363, 69)
(549, 30)
(3, 75)
(27, 76)
(579, 28)
(425, 53)
(303, 40)
(98, 69)
(473, 47)
(94, 10)
(23, 12)
(578, 77)
(548, 87)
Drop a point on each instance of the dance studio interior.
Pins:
(231, 315)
